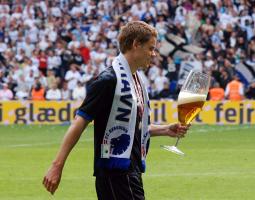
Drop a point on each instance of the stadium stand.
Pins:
(68, 42)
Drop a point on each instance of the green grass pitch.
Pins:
(219, 164)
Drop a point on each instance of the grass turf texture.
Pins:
(219, 164)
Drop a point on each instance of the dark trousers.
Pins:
(120, 187)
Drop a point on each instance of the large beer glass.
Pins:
(190, 101)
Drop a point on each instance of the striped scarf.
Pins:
(120, 130)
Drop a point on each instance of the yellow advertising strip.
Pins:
(162, 112)
(222, 112)
(37, 112)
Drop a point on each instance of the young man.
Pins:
(118, 103)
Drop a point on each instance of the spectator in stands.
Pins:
(51, 79)
(66, 61)
(224, 78)
(5, 93)
(65, 92)
(98, 55)
(79, 92)
(53, 93)
(72, 76)
(43, 79)
(28, 66)
(42, 58)
(216, 93)
(160, 82)
(89, 73)
(30, 78)
(250, 93)
(165, 92)
(77, 58)
(84, 52)
(37, 92)
(234, 90)
(53, 61)
(22, 89)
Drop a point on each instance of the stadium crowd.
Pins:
(50, 50)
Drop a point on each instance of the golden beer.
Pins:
(190, 101)
(189, 105)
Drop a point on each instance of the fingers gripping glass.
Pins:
(190, 101)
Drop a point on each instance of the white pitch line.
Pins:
(39, 178)
(39, 198)
(39, 144)
(218, 174)
(148, 175)
(221, 128)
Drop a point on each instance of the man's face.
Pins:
(146, 52)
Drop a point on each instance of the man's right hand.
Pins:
(52, 178)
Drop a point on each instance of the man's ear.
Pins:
(136, 44)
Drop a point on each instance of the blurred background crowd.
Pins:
(52, 49)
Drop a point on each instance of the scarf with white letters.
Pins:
(119, 133)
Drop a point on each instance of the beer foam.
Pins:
(187, 97)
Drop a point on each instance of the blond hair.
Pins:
(135, 30)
